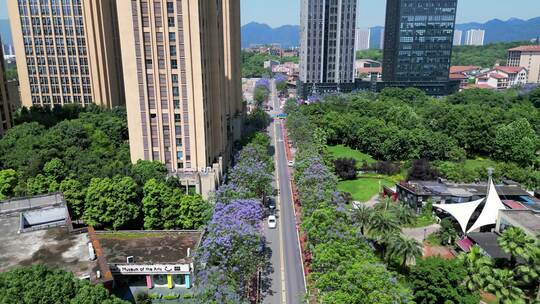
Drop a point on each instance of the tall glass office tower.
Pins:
(418, 44)
(327, 30)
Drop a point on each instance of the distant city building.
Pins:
(418, 44)
(362, 39)
(69, 52)
(287, 68)
(5, 105)
(183, 83)
(458, 36)
(527, 56)
(475, 37)
(327, 32)
(269, 64)
(376, 37)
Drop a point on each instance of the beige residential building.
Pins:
(5, 106)
(67, 52)
(181, 64)
(527, 56)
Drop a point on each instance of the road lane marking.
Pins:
(278, 205)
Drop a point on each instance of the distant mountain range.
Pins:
(513, 29)
(258, 33)
(497, 30)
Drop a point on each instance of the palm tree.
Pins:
(405, 249)
(478, 267)
(362, 217)
(503, 285)
(515, 242)
(403, 214)
(382, 223)
(529, 273)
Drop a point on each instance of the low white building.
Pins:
(503, 77)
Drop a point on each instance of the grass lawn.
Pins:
(340, 151)
(433, 240)
(363, 188)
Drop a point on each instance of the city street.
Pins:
(288, 285)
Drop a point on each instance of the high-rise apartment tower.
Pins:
(5, 106)
(418, 44)
(182, 83)
(327, 32)
(67, 52)
(458, 37)
(475, 37)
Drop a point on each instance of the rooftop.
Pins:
(54, 247)
(509, 70)
(527, 48)
(457, 76)
(488, 242)
(467, 190)
(463, 68)
(149, 247)
(527, 219)
(370, 70)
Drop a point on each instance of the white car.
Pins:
(272, 222)
(291, 163)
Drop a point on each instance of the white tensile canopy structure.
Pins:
(462, 212)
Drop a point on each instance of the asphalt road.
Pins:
(288, 284)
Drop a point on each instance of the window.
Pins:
(170, 21)
(172, 36)
(170, 8)
(174, 64)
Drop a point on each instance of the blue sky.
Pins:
(371, 12)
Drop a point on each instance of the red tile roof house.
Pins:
(503, 77)
(467, 70)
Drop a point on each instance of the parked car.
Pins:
(291, 163)
(272, 204)
(272, 222)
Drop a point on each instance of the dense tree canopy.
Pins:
(345, 269)
(403, 125)
(435, 280)
(485, 56)
(39, 284)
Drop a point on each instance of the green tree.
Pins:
(478, 269)
(407, 250)
(165, 207)
(112, 203)
(376, 55)
(516, 142)
(361, 217)
(195, 211)
(503, 285)
(40, 284)
(383, 223)
(157, 195)
(74, 194)
(435, 280)
(8, 182)
(360, 283)
(260, 95)
(448, 232)
(56, 169)
(88, 294)
(515, 242)
(41, 184)
(144, 170)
